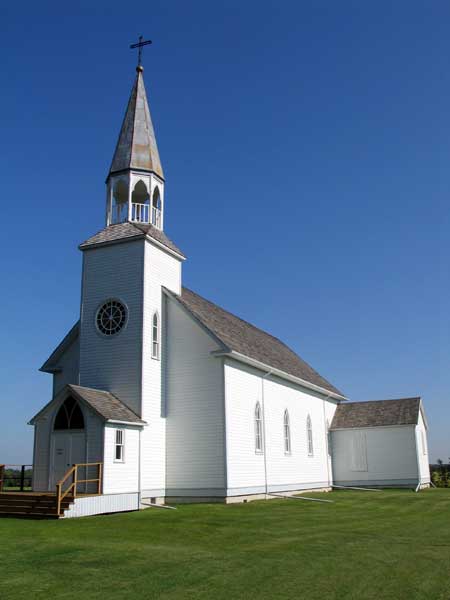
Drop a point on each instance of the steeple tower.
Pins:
(135, 183)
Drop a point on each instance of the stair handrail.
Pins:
(73, 471)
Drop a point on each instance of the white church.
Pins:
(161, 396)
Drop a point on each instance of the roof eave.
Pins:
(127, 423)
(279, 373)
(51, 365)
(385, 426)
(132, 238)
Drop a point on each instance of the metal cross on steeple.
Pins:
(139, 45)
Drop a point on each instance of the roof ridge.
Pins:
(236, 316)
(256, 328)
(281, 356)
(85, 387)
(383, 400)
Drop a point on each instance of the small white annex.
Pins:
(168, 397)
(380, 443)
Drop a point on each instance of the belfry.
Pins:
(135, 182)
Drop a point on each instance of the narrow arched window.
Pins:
(309, 436)
(69, 416)
(155, 335)
(156, 209)
(258, 428)
(287, 433)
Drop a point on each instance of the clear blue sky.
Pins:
(306, 148)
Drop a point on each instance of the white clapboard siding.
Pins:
(389, 456)
(41, 458)
(330, 409)
(97, 505)
(161, 269)
(114, 363)
(121, 477)
(69, 365)
(194, 409)
(245, 466)
(422, 450)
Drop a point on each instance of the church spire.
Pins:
(135, 183)
(136, 147)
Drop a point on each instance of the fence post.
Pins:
(2, 474)
(58, 499)
(22, 478)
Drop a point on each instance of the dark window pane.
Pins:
(69, 415)
(77, 420)
(61, 421)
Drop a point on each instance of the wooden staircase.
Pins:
(48, 505)
(32, 505)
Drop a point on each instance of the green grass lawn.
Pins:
(392, 544)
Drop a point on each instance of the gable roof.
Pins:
(126, 231)
(377, 413)
(51, 364)
(246, 339)
(136, 147)
(235, 335)
(106, 405)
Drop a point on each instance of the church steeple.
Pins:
(136, 181)
(136, 147)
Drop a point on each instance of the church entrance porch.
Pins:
(68, 440)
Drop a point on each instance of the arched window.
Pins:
(155, 335)
(119, 208)
(309, 436)
(258, 428)
(156, 209)
(287, 433)
(140, 201)
(69, 416)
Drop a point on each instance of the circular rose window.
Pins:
(111, 317)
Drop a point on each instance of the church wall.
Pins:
(375, 455)
(69, 363)
(245, 466)
(161, 269)
(195, 409)
(113, 364)
(121, 477)
(41, 458)
(422, 450)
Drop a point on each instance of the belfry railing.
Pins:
(144, 213)
(140, 213)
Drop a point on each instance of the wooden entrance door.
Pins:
(69, 448)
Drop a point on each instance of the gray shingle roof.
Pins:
(124, 231)
(105, 404)
(377, 413)
(136, 147)
(242, 337)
